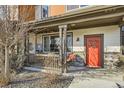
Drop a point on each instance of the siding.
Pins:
(111, 38)
(38, 12)
(56, 10)
(27, 12)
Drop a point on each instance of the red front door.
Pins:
(93, 45)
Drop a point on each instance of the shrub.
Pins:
(17, 62)
(120, 63)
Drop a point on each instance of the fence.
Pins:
(50, 63)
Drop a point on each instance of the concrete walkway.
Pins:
(90, 78)
(79, 82)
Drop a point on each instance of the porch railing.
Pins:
(50, 63)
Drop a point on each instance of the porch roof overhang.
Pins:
(84, 18)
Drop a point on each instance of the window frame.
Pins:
(87, 6)
(77, 8)
(57, 34)
(122, 28)
(43, 44)
(71, 9)
(122, 39)
(42, 11)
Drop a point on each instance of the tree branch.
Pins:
(2, 44)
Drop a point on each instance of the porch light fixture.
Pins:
(78, 39)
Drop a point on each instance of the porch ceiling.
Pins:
(102, 17)
(95, 23)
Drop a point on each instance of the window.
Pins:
(122, 28)
(2, 11)
(54, 44)
(72, 7)
(83, 5)
(69, 43)
(46, 44)
(122, 39)
(44, 12)
(51, 43)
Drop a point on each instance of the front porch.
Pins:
(52, 40)
(49, 58)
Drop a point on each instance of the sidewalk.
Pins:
(92, 83)
(96, 79)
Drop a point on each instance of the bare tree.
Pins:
(13, 30)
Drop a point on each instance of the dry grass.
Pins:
(3, 81)
(50, 79)
(120, 63)
(55, 81)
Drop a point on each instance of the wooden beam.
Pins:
(82, 12)
(82, 20)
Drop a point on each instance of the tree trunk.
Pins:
(7, 62)
(2, 60)
(2, 68)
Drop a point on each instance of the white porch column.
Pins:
(63, 47)
(60, 46)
